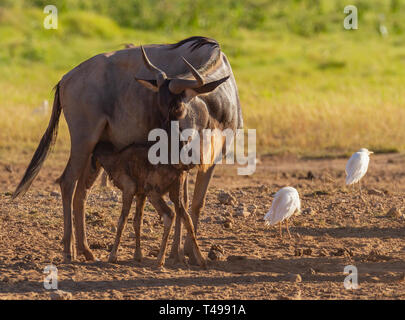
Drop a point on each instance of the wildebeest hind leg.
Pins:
(86, 180)
(82, 145)
(68, 181)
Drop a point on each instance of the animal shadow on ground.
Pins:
(244, 272)
(353, 232)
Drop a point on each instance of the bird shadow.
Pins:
(353, 232)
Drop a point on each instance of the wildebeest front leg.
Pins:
(168, 218)
(140, 205)
(200, 191)
(176, 195)
(127, 197)
(177, 253)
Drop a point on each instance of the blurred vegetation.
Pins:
(302, 17)
(306, 84)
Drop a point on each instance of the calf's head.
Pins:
(174, 94)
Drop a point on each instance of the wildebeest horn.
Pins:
(195, 73)
(159, 74)
(177, 86)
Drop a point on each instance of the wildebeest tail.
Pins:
(43, 149)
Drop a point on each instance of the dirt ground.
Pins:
(335, 229)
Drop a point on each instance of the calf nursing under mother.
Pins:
(131, 171)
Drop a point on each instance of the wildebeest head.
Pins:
(174, 93)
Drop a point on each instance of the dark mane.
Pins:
(198, 42)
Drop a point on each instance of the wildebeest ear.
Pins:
(208, 87)
(150, 84)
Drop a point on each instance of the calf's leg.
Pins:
(140, 205)
(127, 197)
(168, 218)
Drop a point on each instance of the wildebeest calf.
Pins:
(131, 171)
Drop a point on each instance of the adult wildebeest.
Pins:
(119, 97)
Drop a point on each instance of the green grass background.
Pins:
(306, 84)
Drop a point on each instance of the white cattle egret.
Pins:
(357, 166)
(285, 203)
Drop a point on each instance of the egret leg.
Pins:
(288, 230)
(361, 195)
(281, 234)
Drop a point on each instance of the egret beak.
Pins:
(370, 152)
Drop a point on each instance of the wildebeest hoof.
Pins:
(67, 258)
(161, 269)
(160, 262)
(203, 264)
(89, 255)
(138, 256)
(179, 258)
(193, 260)
(112, 259)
